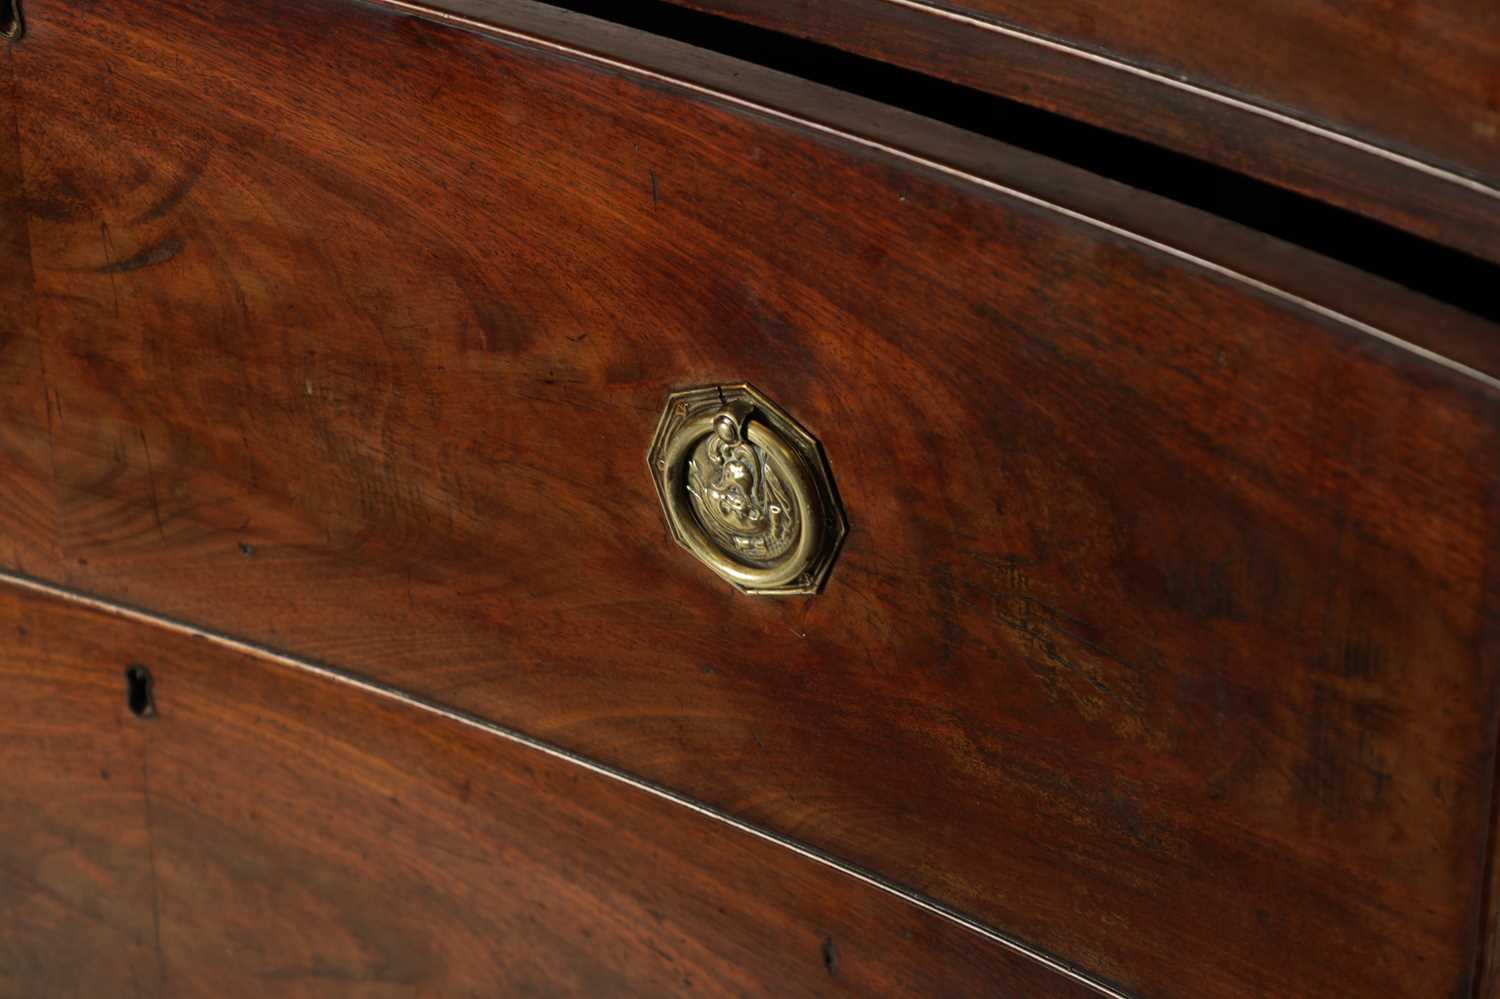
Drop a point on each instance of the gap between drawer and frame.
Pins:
(366, 685)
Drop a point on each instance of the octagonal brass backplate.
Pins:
(746, 490)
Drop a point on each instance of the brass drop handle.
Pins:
(746, 490)
(11, 25)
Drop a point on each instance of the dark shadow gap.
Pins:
(1426, 267)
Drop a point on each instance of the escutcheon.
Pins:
(746, 490)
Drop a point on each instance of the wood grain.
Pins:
(1163, 636)
(1415, 80)
(76, 892)
(25, 462)
(275, 833)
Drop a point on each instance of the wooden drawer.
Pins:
(1162, 640)
(375, 848)
(1420, 82)
(1384, 110)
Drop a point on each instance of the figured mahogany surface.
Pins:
(1264, 84)
(273, 833)
(1164, 634)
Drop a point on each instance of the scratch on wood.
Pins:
(108, 265)
(655, 199)
(161, 963)
(47, 395)
(151, 481)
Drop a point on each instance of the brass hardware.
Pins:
(746, 490)
(11, 25)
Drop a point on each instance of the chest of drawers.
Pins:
(1148, 647)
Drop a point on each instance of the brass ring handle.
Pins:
(12, 27)
(745, 490)
(751, 463)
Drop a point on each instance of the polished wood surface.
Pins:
(1418, 81)
(1162, 638)
(24, 460)
(274, 833)
(76, 888)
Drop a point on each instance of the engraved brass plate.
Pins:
(746, 490)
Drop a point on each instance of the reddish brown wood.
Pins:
(1487, 977)
(1442, 328)
(76, 888)
(1417, 80)
(25, 463)
(1159, 639)
(270, 832)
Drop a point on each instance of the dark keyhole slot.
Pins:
(138, 692)
(10, 19)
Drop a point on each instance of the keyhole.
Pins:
(10, 19)
(138, 692)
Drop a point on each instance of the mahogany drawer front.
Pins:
(374, 848)
(1386, 111)
(1162, 638)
